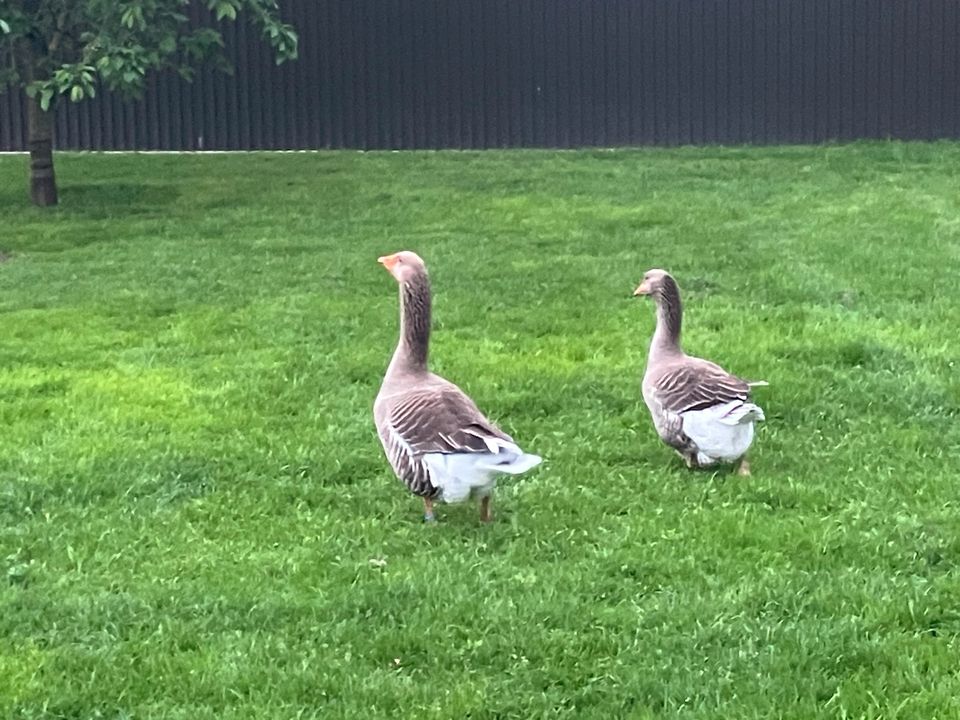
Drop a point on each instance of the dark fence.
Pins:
(557, 73)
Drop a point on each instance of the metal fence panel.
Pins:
(549, 73)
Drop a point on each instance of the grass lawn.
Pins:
(197, 521)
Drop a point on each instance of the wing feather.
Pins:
(698, 385)
(441, 418)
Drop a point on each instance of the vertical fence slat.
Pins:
(8, 130)
(795, 66)
(427, 46)
(435, 71)
(550, 92)
(461, 73)
(693, 31)
(758, 49)
(233, 88)
(538, 81)
(738, 21)
(360, 67)
(598, 76)
(784, 122)
(898, 76)
(672, 63)
(866, 69)
(624, 86)
(513, 74)
(724, 73)
(472, 62)
(250, 129)
(656, 67)
(925, 71)
(951, 26)
(444, 110)
(498, 91)
(846, 65)
(937, 51)
(920, 82)
(565, 78)
(527, 58)
(746, 48)
(808, 50)
(833, 88)
(708, 74)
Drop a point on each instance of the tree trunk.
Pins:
(43, 183)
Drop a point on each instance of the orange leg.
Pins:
(485, 515)
(428, 510)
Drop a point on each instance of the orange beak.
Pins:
(642, 289)
(388, 261)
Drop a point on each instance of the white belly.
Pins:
(460, 475)
(716, 437)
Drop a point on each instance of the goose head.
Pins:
(404, 265)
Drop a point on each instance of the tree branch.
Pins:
(58, 33)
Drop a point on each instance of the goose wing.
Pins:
(697, 385)
(441, 418)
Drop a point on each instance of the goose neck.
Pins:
(414, 345)
(666, 337)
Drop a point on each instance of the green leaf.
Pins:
(120, 42)
(226, 10)
(168, 45)
(133, 18)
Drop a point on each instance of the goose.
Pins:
(436, 439)
(698, 408)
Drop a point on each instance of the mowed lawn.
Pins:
(197, 521)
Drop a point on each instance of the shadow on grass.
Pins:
(83, 213)
(97, 200)
(112, 199)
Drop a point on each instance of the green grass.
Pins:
(196, 519)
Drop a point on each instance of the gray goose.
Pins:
(436, 439)
(698, 408)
